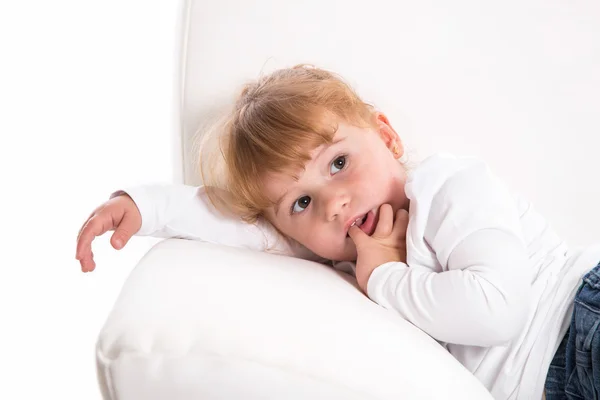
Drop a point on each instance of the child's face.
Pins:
(342, 182)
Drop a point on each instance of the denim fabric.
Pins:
(574, 372)
(555, 380)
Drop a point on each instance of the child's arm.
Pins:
(175, 211)
(481, 300)
(181, 211)
(481, 296)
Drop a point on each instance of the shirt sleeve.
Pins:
(182, 211)
(480, 297)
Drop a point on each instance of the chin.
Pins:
(345, 253)
(346, 256)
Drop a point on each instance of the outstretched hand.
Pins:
(119, 214)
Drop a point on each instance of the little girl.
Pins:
(312, 171)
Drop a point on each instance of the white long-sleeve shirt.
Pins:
(485, 274)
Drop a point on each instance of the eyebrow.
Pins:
(323, 150)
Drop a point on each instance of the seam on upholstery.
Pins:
(107, 360)
(181, 79)
(106, 372)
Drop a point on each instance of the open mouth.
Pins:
(366, 223)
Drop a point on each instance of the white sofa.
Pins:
(203, 321)
(506, 81)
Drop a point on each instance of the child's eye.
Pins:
(338, 164)
(300, 204)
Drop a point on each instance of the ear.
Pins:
(389, 135)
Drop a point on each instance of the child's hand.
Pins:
(388, 243)
(120, 214)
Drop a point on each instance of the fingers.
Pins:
(385, 222)
(86, 259)
(401, 222)
(119, 213)
(125, 230)
(387, 226)
(357, 235)
(86, 221)
(87, 263)
(95, 226)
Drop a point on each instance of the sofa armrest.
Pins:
(197, 320)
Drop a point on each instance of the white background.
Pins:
(85, 108)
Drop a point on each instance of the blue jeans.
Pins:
(574, 372)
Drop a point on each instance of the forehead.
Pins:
(277, 183)
(293, 173)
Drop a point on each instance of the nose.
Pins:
(335, 202)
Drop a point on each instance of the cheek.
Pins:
(313, 235)
(301, 231)
(371, 173)
(318, 237)
(375, 182)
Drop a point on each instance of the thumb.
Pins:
(357, 235)
(124, 232)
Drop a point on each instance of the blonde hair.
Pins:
(275, 123)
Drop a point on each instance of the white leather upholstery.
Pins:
(200, 321)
